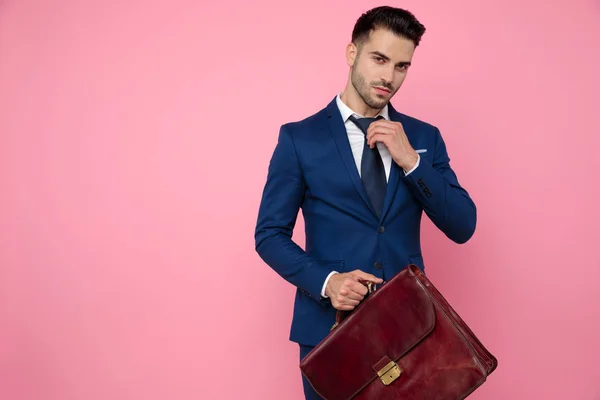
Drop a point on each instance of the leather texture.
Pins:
(406, 320)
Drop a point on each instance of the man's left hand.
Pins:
(391, 133)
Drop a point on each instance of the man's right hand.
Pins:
(346, 290)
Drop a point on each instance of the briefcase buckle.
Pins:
(389, 373)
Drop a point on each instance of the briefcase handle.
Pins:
(341, 314)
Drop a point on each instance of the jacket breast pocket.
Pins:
(425, 155)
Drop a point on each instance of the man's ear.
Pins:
(351, 53)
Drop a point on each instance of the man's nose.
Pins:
(387, 76)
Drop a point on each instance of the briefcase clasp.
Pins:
(389, 373)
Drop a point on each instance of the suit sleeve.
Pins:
(445, 202)
(282, 197)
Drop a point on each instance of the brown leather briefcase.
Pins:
(403, 341)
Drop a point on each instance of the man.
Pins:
(363, 174)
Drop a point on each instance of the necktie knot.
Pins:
(363, 123)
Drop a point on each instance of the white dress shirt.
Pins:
(357, 139)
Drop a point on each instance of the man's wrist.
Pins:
(411, 162)
(324, 289)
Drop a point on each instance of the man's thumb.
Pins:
(361, 275)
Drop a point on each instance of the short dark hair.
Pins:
(401, 22)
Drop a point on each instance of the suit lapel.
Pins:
(395, 171)
(338, 131)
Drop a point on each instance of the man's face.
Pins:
(380, 67)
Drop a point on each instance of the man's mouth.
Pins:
(382, 89)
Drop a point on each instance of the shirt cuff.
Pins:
(416, 165)
(325, 284)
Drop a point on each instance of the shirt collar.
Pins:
(347, 111)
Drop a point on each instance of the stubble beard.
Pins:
(362, 88)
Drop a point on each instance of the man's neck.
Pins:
(356, 104)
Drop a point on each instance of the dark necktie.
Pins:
(372, 170)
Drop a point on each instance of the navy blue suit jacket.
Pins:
(312, 169)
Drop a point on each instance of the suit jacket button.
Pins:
(381, 229)
(378, 265)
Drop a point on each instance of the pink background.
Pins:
(134, 142)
